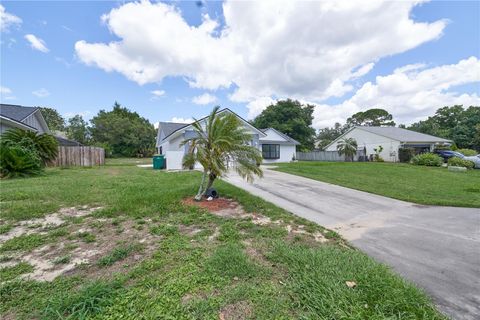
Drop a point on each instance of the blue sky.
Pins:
(236, 63)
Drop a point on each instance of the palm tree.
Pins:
(223, 139)
(347, 147)
(44, 145)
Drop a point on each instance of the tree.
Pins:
(291, 118)
(347, 147)
(371, 118)
(454, 123)
(78, 130)
(476, 138)
(222, 140)
(124, 132)
(326, 135)
(54, 120)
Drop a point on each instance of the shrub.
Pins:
(458, 162)
(17, 161)
(377, 156)
(427, 159)
(405, 154)
(468, 152)
(45, 145)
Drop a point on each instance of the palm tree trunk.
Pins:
(211, 179)
(200, 192)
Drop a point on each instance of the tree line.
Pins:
(121, 132)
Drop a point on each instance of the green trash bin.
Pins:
(159, 162)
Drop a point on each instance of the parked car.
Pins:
(474, 159)
(447, 154)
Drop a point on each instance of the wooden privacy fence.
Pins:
(326, 156)
(79, 156)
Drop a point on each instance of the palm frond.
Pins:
(219, 140)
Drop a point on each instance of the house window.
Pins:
(271, 151)
(160, 151)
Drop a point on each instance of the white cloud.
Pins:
(84, 114)
(36, 43)
(158, 93)
(5, 90)
(205, 98)
(67, 28)
(41, 93)
(63, 61)
(410, 93)
(181, 120)
(8, 20)
(256, 106)
(6, 93)
(264, 49)
(363, 70)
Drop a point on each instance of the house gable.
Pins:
(186, 127)
(27, 118)
(275, 136)
(37, 121)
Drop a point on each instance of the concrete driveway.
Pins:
(438, 248)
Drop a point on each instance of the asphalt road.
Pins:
(438, 248)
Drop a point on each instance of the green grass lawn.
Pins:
(419, 184)
(193, 265)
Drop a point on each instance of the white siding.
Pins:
(287, 152)
(175, 144)
(370, 141)
(273, 136)
(174, 159)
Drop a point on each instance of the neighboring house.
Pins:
(62, 141)
(275, 146)
(391, 139)
(26, 118)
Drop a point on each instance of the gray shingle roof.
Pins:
(67, 142)
(170, 127)
(403, 135)
(15, 112)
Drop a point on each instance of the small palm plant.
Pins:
(45, 145)
(347, 147)
(223, 139)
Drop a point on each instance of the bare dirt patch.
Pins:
(299, 230)
(40, 225)
(189, 230)
(228, 208)
(236, 311)
(74, 254)
(216, 205)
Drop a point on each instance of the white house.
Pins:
(275, 146)
(26, 118)
(391, 139)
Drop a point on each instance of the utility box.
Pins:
(159, 162)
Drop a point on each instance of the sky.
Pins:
(173, 61)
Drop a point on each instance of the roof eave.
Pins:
(17, 124)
